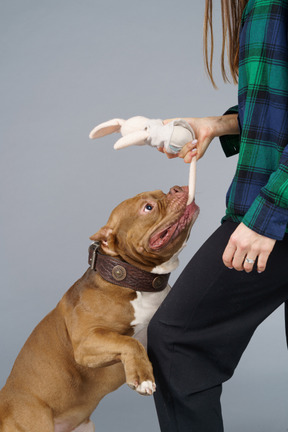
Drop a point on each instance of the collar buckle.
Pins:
(92, 257)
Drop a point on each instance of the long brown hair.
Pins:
(231, 19)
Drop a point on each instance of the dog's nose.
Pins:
(175, 189)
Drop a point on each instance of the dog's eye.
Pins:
(148, 208)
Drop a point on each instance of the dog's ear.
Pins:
(107, 239)
(106, 128)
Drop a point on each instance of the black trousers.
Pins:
(197, 336)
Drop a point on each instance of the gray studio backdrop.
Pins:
(66, 66)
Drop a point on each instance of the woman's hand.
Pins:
(205, 132)
(205, 129)
(245, 247)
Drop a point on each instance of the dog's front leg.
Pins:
(102, 347)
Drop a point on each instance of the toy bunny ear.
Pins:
(135, 138)
(106, 128)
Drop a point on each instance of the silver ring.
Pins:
(249, 261)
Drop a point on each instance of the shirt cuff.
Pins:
(266, 219)
(230, 143)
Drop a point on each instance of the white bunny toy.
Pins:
(143, 131)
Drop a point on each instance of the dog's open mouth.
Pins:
(166, 235)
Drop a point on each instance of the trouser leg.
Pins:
(199, 333)
(286, 320)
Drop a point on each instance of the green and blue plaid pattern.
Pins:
(258, 195)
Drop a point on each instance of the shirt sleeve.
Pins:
(268, 215)
(230, 143)
(263, 108)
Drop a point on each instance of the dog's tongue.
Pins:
(160, 239)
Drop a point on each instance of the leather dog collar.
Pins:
(121, 273)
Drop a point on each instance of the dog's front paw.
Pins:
(139, 371)
(145, 388)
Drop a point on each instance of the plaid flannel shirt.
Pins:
(258, 195)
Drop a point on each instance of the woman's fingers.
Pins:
(189, 156)
(228, 255)
(169, 155)
(187, 152)
(246, 249)
(262, 260)
(249, 261)
(188, 147)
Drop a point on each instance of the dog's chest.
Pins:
(145, 306)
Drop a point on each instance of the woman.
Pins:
(240, 275)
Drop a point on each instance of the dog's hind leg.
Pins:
(85, 427)
(26, 418)
(9, 425)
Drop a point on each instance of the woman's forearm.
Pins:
(217, 125)
(227, 125)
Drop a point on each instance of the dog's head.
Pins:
(149, 229)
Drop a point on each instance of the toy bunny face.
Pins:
(126, 127)
(133, 131)
(134, 124)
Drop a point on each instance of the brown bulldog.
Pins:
(89, 345)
